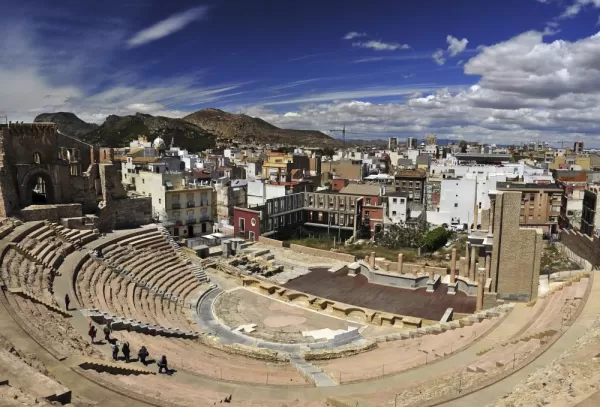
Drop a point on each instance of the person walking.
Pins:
(106, 331)
(92, 333)
(126, 351)
(162, 364)
(143, 354)
(115, 351)
(67, 301)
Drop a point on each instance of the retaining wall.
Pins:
(348, 258)
(270, 242)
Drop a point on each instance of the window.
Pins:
(368, 201)
(159, 201)
(456, 205)
(402, 200)
(393, 213)
(242, 223)
(395, 200)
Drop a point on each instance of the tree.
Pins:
(402, 235)
(329, 153)
(463, 146)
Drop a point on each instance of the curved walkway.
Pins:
(90, 390)
(588, 315)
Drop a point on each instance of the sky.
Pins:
(496, 72)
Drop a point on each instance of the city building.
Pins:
(540, 204)
(578, 147)
(372, 209)
(329, 212)
(393, 143)
(412, 182)
(229, 195)
(430, 140)
(397, 206)
(412, 143)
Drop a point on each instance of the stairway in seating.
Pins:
(311, 373)
(196, 270)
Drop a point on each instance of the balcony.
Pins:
(191, 204)
(205, 218)
(176, 205)
(204, 202)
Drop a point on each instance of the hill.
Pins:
(252, 129)
(118, 131)
(67, 122)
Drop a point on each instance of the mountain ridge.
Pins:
(253, 129)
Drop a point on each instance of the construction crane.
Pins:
(343, 131)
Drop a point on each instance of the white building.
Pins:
(397, 206)
(457, 200)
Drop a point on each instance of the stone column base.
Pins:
(452, 288)
(432, 284)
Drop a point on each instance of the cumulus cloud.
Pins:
(380, 45)
(353, 34)
(528, 89)
(438, 57)
(456, 46)
(166, 27)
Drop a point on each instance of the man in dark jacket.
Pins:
(162, 364)
(126, 351)
(143, 354)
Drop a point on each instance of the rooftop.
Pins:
(361, 189)
(514, 185)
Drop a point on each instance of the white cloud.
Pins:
(167, 26)
(353, 34)
(34, 81)
(438, 57)
(456, 46)
(380, 45)
(527, 90)
(372, 92)
(577, 6)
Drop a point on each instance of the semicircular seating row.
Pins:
(100, 286)
(29, 294)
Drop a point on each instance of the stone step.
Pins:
(111, 367)
(311, 373)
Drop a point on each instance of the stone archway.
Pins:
(37, 188)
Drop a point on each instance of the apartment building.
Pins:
(412, 182)
(540, 204)
(339, 215)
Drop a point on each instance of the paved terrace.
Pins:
(358, 291)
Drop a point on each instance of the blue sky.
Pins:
(490, 71)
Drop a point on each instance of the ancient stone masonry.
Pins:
(516, 256)
(44, 172)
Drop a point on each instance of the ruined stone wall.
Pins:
(85, 150)
(110, 181)
(52, 213)
(516, 252)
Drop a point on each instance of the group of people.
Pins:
(143, 353)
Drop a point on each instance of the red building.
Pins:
(372, 210)
(338, 183)
(247, 223)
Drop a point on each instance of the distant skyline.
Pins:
(497, 72)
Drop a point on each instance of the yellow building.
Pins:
(566, 162)
(190, 210)
(275, 166)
